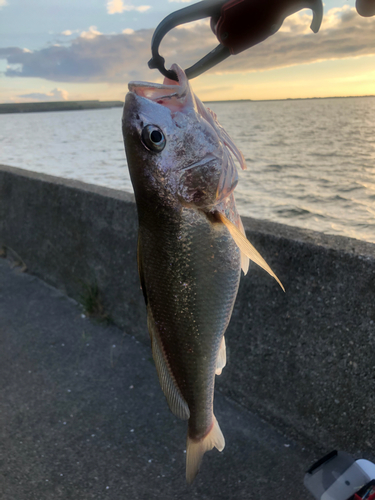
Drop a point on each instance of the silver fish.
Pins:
(191, 245)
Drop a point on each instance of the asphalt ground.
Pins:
(82, 415)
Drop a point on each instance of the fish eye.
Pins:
(153, 138)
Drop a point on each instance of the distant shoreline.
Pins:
(294, 99)
(36, 107)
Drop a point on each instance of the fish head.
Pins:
(177, 152)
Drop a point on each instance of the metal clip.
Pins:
(200, 10)
(238, 25)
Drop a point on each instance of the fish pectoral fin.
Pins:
(195, 449)
(221, 358)
(176, 402)
(246, 247)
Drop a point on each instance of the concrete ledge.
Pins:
(82, 415)
(303, 360)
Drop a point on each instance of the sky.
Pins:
(53, 50)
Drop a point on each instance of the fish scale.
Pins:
(186, 266)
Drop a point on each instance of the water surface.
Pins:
(311, 163)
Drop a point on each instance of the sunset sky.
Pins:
(90, 49)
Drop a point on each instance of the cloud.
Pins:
(91, 33)
(300, 22)
(3, 3)
(54, 95)
(98, 58)
(118, 6)
(200, 23)
(72, 32)
(95, 57)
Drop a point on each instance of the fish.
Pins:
(191, 245)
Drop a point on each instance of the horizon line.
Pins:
(292, 98)
(204, 100)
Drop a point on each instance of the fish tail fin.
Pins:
(195, 449)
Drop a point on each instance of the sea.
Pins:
(310, 163)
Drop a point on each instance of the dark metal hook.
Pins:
(238, 25)
(200, 10)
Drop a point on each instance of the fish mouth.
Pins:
(175, 95)
(168, 86)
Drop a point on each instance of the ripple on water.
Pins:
(317, 173)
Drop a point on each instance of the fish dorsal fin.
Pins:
(221, 358)
(176, 402)
(246, 247)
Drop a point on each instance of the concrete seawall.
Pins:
(303, 360)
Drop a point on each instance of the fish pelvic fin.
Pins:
(221, 358)
(195, 449)
(176, 401)
(244, 258)
(244, 263)
(246, 247)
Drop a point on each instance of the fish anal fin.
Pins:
(176, 402)
(221, 358)
(246, 247)
(195, 449)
